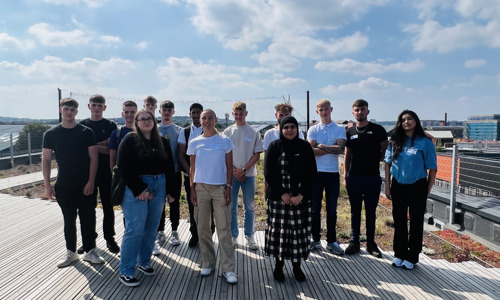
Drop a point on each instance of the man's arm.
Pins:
(112, 159)
(102, 146)
(322, 149)
(239, 173)
(46, 168)
(93, 155)
(182, 157)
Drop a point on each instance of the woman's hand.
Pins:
(170, 199)
(145, 195)
(286, 198)
(388, 192)
(296, 199)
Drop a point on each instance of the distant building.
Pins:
(484, 127)
(457, 131)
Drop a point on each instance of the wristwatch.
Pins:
(229, 186)
(244, 170)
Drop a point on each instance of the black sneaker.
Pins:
(193, 242)
(129, 280)
(148, 271)
(372, 248)
(352, 248)
(80, 250)
(113, 246)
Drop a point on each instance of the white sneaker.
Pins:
(235, 241)
(230, 277)
(68, 259)
(156, 249)
(93, 257)
(252, 245)
(161, 237)
(174, 240)
(397, 262)
(206, 272)
(407, 265)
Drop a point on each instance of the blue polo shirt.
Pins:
(413, 162)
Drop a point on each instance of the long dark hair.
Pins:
(155, 140)
(399, 137)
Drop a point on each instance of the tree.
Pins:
(36, 131)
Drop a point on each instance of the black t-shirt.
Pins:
(102, 130)
(364, 145)
(70, 146)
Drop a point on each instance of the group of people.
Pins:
(156, 157)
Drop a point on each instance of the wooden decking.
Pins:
(31, 242)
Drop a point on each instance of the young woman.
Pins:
(147, 166)
(211, 174)
(408, 158)
(289, 169)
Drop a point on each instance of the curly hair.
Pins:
(399, 137)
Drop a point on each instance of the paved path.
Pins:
(28, 180)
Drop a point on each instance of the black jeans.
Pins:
(73, 202)
(175, 210)
(367, 189)
(410, 198)
(103, 183)
(329, 182)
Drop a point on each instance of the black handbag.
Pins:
(117, 187)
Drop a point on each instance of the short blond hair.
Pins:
(323, 102)
(239, 105)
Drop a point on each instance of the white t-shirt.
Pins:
(210, 158)
(327, 135)
(247, 141)
(274, 134)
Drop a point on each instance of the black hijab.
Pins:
(289, 146)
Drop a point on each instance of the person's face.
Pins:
(145, 122)
(408, 122)
(324, 111)
(289, 131)
(280, 115)
(360, 113)
(167, 113)
(208, 120)
(97, 108)
(195, 114)
(68, 113)
(150, 106)
(128, 113)
(239, 115)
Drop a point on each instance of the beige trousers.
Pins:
(213, 195)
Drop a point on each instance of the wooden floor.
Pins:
(31, 242)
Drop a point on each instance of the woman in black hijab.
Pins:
(289, 169)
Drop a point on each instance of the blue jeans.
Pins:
(141, 221)
(248, 191)
(329, 182)
(367, 189)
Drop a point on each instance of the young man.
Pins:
(102, 129)
(282, 110)
(185, 137)
(248, 146)
(328, 141)
(365, 148)
(129, 109)
(76, 153)
(150, 103)
(168, 128)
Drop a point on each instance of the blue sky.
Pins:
(432, 56)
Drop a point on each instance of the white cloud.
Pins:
(90, 3)
(474, 63)
(364, 86)
(142, 45)
(427, 9)
(54, 69)
(171, 2)
(282, 82)
(48, 36)
(7, 42)
(347, 65)
(110, 39)
(185, 74)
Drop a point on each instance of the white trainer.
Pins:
(230, 277)
(156, 249)
(68, 259)
(93, 257)
(206, 272)
(161, 237)
(174, 240)
(252, 245)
